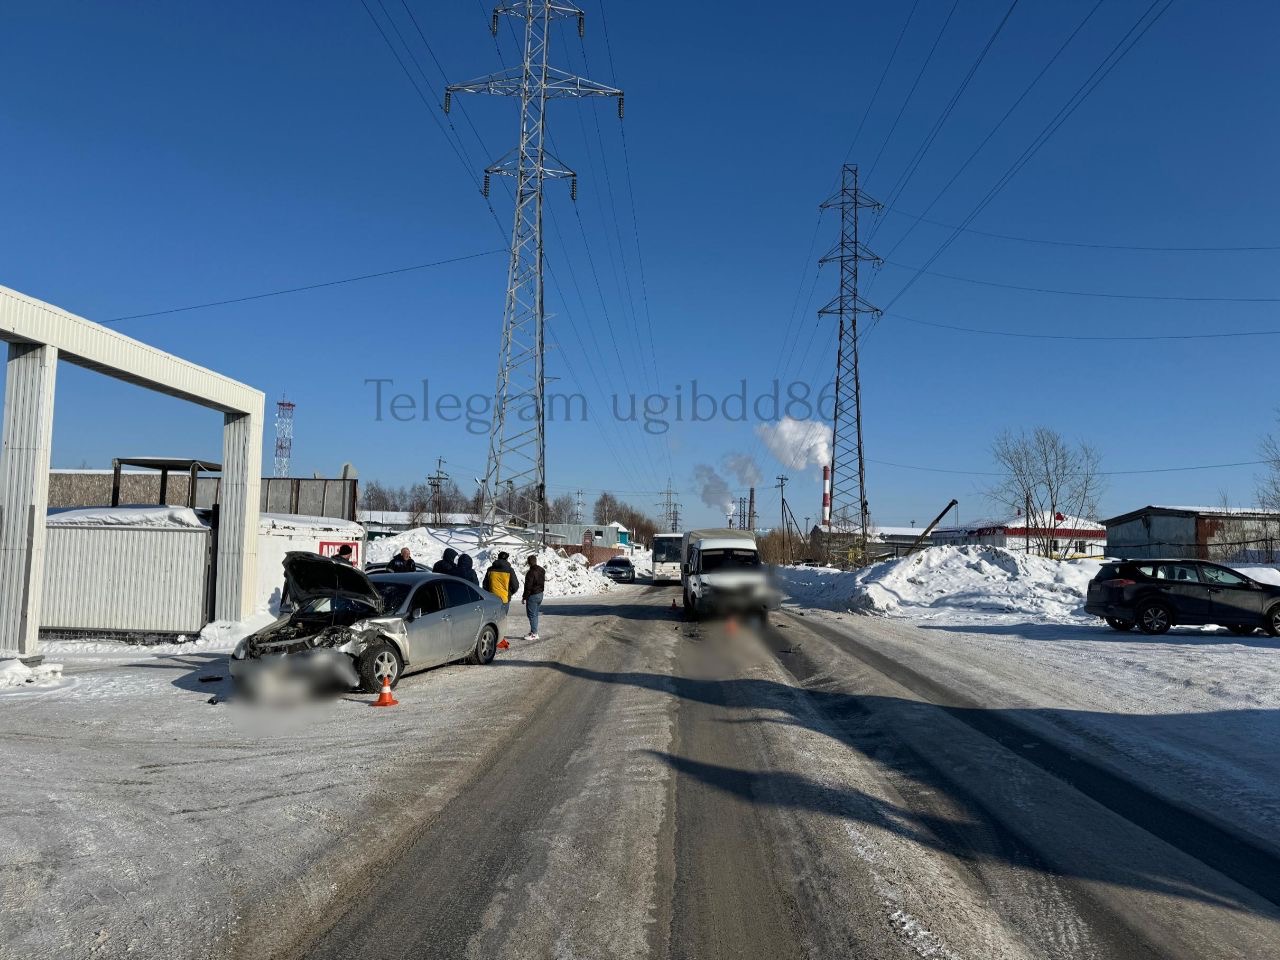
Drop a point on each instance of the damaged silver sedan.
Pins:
(349, 629)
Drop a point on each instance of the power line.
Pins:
(1117, 53)
(310, 286)
(1101, 473)
(1086, 244)
(1066, 336)
(1163, 298)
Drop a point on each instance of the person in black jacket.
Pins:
(402, 562)
(447, 564)
(344, 555)
(535, 582)
(466, 569)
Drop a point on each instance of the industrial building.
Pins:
(1058, 535)
(1224, 534)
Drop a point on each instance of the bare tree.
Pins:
(606, 508)
(1269, 483)
(1047, 478)
(560, 510)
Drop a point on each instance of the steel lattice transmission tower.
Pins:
(517, 436)
(284, 436)
(849, 509)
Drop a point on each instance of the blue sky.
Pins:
(164, 155)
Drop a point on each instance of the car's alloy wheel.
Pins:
(1154, 619)
(379, 662)
(386, 667)
(1273, 621)
(485, 648)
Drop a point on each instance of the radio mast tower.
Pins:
(284, 436)
(848, 477)
(517, 437)
(670, 509)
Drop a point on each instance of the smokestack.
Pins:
(751, 510)
(826, 496)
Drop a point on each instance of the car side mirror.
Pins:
(415, 615)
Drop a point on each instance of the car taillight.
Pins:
(1118, 583)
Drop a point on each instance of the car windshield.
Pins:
(666, 550)
(619, 563)
(393, 592)
(729, 560)
(335, 605)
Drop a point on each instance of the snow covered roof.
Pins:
(405, 517)
(1039, 521)
(154, 517)
(288, 521)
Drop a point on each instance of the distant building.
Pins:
(883, 543)
(1224, 534)
(1058, 535)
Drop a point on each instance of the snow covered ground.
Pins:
(1196, 711)
(565, 578)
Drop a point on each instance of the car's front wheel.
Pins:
(1124, 626)
(1154, 618)
(486, 646)
(380, 661)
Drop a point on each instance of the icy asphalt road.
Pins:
(630, 786)
(683, 793)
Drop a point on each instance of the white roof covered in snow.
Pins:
(155, 517)
(288, 521)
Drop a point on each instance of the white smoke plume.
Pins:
(744, 469)
(797, 444)
(712, 488)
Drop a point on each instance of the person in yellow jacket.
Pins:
(501, 580)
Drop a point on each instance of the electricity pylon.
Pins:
(848, 465)
(517, 435)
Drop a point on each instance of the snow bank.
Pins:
(128, 516)
(952, 584)
(221, 636)
(15, 673)
(565, 577)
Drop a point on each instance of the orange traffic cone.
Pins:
(385, 699)
(503, 645)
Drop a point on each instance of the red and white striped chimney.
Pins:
(826, 496)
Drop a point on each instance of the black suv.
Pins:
(1154, 595)
(620, 570)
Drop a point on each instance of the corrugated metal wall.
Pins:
(122, 578)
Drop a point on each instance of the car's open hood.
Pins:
(310, 576)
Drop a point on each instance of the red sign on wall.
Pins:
(329, 548)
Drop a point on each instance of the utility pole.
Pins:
(848, 465)
(670, 509)
(517, 434)
(786, 533)
(436, 483)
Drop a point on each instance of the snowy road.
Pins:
(630, 786)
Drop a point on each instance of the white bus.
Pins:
(666, 557)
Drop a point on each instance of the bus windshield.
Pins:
(666, 549)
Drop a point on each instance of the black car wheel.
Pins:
(1240, 629)
(1124, 626)
(1154, 618)
(380, 661)
(1273, 621)
(486, 647)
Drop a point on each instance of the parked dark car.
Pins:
(620, 570)
(1154, 595)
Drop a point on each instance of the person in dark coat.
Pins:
(448, 564)
(501, 580)
(344, 555)
(535, 582)
(466, 569)
(402, 562)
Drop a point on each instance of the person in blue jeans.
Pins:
(535, 582)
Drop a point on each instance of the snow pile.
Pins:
(953, 584)
(565, 577)
(221, 636)
(15, 673)
(163, 518)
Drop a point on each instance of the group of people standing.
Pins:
(500, 579)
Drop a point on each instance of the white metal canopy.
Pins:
(39, 335)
